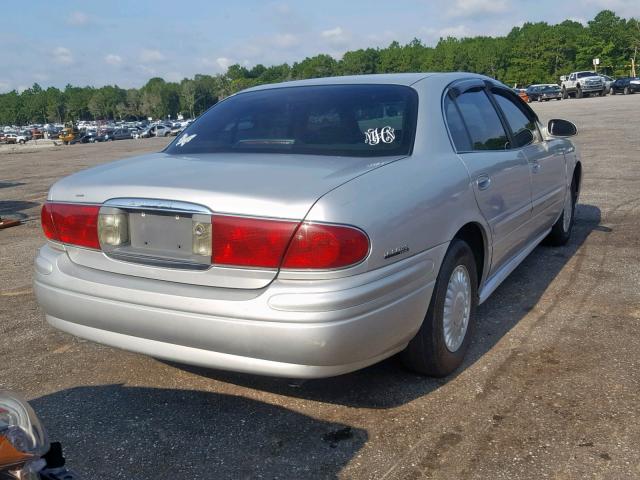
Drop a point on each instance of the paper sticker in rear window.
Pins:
(184, 139)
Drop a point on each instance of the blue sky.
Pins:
(126, 43)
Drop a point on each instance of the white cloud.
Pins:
(224, 62)
(455, 31)
(468, 8)
(62, 55)
(337, 37)
(623, 8)
(4, 86)
(173, 76)
(78, 18)
(151, 56)
(332, 33)
(113, 59)
(285, 40)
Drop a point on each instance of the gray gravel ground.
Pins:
(550, 388)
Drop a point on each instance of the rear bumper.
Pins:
(300, 329)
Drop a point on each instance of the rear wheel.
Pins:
(612, 92)
(565, 95)
(444, 336)
(626, 91)
(579, 93)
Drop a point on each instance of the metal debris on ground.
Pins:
(6, 223)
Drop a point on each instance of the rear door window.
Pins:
(482, 121)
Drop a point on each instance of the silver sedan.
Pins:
(312, 228)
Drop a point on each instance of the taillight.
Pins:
(320, 246)
(48, 227)
(265, 243)
(71, 224)
(250, 242)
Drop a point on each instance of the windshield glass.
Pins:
(587, 74)
(551, 88)
(344, 120)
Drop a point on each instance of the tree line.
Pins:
(532, 53)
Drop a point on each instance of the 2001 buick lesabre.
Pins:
(312, 228)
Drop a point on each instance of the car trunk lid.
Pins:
(168, 193)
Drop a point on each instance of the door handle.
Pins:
(535, 167)
(483, 182)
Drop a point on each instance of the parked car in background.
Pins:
(88, 136)
(579, 84)
(626, 85)
(159, 131)
(544, 92)
(607, 82)
(176, 130)
(296, 269)
(104, 135)
(122, 134)
(15, 138)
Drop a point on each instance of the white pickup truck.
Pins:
(579, 84)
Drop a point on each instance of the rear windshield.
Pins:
(343, 120)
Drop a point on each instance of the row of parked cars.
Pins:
(107, 134)
(579, 85)
(90, 132)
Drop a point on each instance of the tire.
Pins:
(612, 92)
(565, 95)
(429, 352)
(626, 91)
(540, 99)
(21, 142)
(561, 231)
(579, 93)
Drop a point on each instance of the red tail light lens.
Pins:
(72, 224)
(250, 242)
(46, 220)
(258, 242)
(318, 246)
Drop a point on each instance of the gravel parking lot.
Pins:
(549, 390)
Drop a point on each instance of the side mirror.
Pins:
(561, 128)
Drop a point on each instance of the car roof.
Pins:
(406, 79)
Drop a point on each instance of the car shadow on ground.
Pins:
(10, 184)
(15, 208)
(147, 433)
(387, 384)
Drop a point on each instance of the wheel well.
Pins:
(473, 234)
(577, 176)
